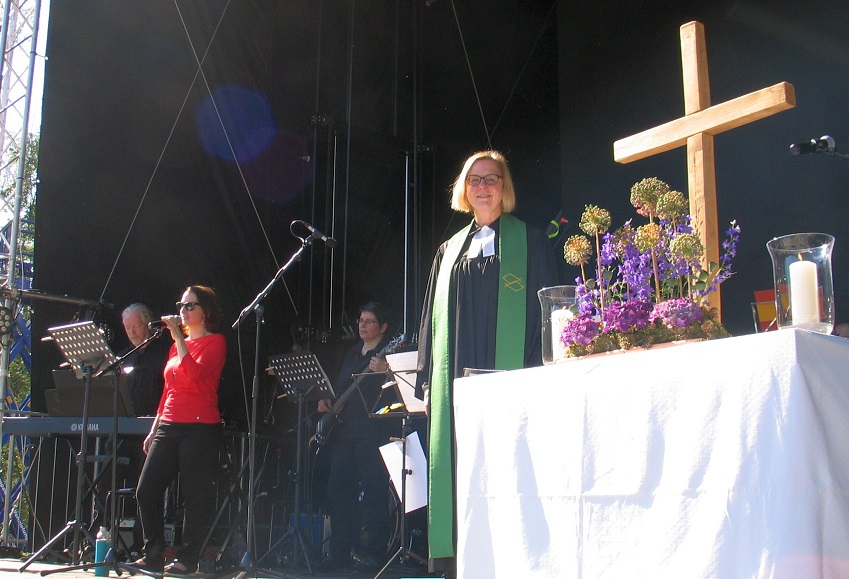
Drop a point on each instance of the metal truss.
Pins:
(18, 37)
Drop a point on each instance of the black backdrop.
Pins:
(332, 106)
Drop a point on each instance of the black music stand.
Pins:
(300, 375)
(84, 348)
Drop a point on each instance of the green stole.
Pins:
(509, 355)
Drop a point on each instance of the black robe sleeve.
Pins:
(423, 365)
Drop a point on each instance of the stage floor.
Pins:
(9, 568)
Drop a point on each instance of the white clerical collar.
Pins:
(483, 240)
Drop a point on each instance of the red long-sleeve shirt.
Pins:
(191, 386)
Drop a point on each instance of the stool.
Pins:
(121, 495)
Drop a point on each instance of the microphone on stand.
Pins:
(824, 144)
(316, 234)
(160, 324)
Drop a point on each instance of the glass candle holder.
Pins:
(804, 290)
(555, 303)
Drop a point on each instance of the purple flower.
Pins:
(677, 313)
(729, 251)
(585, 297)
(622, 317)
(580, 330)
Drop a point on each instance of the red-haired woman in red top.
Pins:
(186, 435)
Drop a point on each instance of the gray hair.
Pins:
(146, 312)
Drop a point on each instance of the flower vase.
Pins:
(804, 291)
(555, 303)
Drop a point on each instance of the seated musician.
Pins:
(144, 366)
(355, 462)
(145, 380)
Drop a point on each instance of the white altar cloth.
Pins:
(721, 459)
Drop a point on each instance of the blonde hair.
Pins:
(459, 201)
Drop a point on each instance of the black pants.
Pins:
(355, 466)
(192, 451)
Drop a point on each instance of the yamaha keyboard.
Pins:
(73, 425)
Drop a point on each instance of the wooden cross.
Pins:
(697, 128)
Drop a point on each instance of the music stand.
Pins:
(300, 375)
(393, 402)
(85, 350)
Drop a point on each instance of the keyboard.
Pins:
(41, 426)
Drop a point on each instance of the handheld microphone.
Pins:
(329, 241)
(156, 324)
(824, 144)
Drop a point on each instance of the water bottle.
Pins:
(101, 546)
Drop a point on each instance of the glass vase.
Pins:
(555, 303)
(804, 291)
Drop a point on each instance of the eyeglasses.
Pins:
(188, 305)
(361, 321)
(475, 180)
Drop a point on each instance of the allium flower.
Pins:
(677, 313)
(687, 246)
(644, 195)
(580, 330)
(622, 317)
(595, 220)
(672, 205)
(648, 236)
(577, 250)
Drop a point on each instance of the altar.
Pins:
(655, 464)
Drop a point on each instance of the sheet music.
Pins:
(403, 366)
(416, 485)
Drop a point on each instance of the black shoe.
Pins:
(145, 564)
(177, 567)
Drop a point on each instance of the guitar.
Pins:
(324, 427)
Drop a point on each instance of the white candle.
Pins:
(804, 293)
(559, 318)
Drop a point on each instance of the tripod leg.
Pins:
(392, 559)
(69, 526)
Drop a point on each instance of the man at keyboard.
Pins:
(145, 379)
(144, 367)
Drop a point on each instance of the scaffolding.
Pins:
(19, 38)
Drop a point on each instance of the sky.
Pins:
(14, 117)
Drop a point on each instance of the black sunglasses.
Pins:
(188, 305)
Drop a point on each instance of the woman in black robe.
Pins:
(481, 311)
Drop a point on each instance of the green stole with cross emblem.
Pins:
(509, 355)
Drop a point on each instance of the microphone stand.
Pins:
(111, 558)
(247, 562)
(837, 153)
